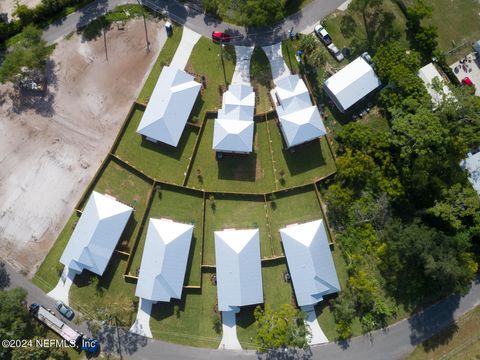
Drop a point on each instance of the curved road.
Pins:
(189, 15)
(392, 343)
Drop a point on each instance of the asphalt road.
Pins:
(192, 17)
(392, 343)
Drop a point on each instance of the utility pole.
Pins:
(145, 25)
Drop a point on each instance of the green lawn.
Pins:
(310, 161)
(159, 161)
(180, 205)
(166, 55)
(459, 341)
(189, 321)
(276, 292)
(251, 173)
(261, 78)
(292, 207)
(239, 212)
(206, 60)
(48, 273)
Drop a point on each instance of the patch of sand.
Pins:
(51, 146)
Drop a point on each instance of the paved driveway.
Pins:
(188, 41)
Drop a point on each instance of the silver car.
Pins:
(337, 54)
(64, 310)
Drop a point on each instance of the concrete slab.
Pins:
(61, 291)
(141, 326)
(470, 68)
(229, 329)
(318, 337)
(241, 75)
(188, 41)
(277, 63)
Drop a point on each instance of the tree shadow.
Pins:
(91, 12)
(120, 341)
(41, 102)
(286, 354)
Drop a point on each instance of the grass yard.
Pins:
(293, 207)
(457, 342)
(159, 161)
(181, 205)
(165, 57)
(206, 60)
(261, 78)
(276, 292)
(310, 161)
(239, 212)
(189, 321)
(251, 173)
(49, 272)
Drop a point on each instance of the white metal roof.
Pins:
(96, 234)
(427, 74)
(352, 83)
(233, 135)
(164, 260)
(239, 274)
(169, 106)
(301, 126)
(309, 261)
(292, 94)
(238, 103)
(472, 165)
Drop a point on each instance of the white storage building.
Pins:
(169, 106)
(239, 274)
(351, 84)
(428, 73)
(96, 234)
(310, 262)
(164, 260)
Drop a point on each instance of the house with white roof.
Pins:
(93, 240)
(234, 127)
(311, 268)
(472, 165)
(163, 268)
(239, 277)
(428, 74)
(300, 120)
(351, 84)
(169, 106)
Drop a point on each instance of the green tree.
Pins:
(282, 328)
(39, 353)
(14, 318)
(30, 53)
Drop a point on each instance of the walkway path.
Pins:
(141, 326)
(229, 332)
(277, 63)
(185, 14)
(188, 41)
(318, 337)
(241, 75)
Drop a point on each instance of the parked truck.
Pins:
(73, 337)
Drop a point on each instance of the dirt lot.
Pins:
(51, 146)
(8, 6)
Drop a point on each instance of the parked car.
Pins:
(337, 54)
(64, 310)
(323, 34)
(220, 37)
(169, 28)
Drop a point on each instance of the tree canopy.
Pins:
(281, 328)
(30, 52)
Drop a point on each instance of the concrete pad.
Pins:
(61, 291)
(189, 39)
(241, 75)
(141, 326)
(229, 330)
(470, 69)
(318, 337)
(278, 65)
(344, 6)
